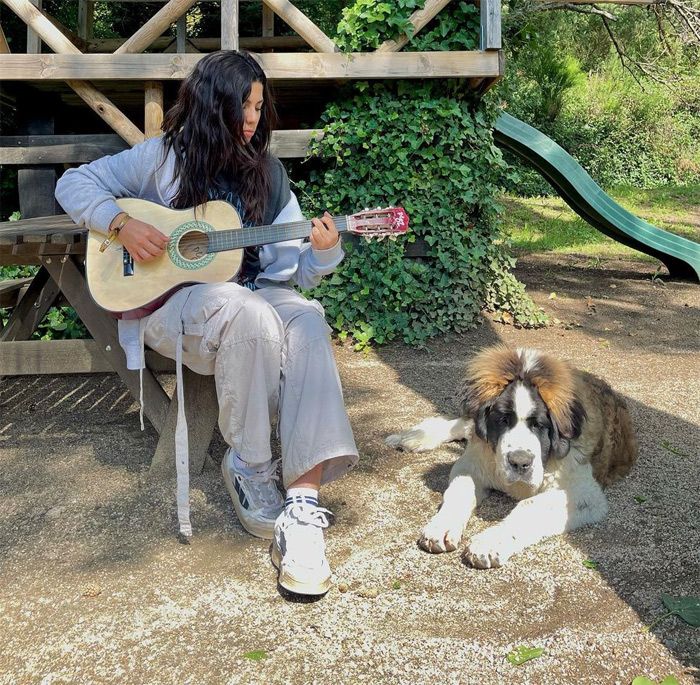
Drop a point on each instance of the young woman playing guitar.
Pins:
(267, 346)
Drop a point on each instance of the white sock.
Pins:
(245, 468)
(307, 496)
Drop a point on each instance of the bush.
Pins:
(428, 148)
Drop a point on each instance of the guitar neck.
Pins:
(236, 239)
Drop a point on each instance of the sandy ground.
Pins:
(97, 589)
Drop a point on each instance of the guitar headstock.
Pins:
(387, 221)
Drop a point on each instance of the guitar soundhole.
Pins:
(193, 245)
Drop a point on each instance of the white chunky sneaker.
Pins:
(299, 550)
(255, 496)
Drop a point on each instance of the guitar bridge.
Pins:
(127, 262)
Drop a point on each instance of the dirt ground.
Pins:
(97, 589)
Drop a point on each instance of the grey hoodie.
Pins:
(88, 194)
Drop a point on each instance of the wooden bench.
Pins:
(57, 246)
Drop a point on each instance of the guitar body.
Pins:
(118, 285)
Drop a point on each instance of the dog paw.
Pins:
(489, 549)
(411, 440)
(438, 537)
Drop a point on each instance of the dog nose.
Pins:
(521, 460)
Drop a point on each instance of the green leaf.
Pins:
(589, 563)
(688, 608)
(522, 654)
(639, 499)
(670, 448)
(643, 680)
(669, 680)
(256, 655)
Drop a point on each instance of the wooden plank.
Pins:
(313, 35)
(58, 154)
(419, 19)
(104, 330)
(201, 412)
(13, 284)
(208, 44)
(155, 26)
(53, 357)
(61, 223)
(31, 309)
(490, 33)
(288, 66)
(153, 96)
(284, 144)
(229, 25)
(181, 34)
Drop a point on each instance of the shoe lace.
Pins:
(312, 516)
(262, 485)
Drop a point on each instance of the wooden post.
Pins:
(181, 35)
(37, 21)
(490, 34)
(86, 18)
(229, 24)
(155, 26)
(268, 22)
(33, 40)
(419, 19)
(313, 35)
(153, 92)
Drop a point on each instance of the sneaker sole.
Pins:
(266, 531)
(292, 584)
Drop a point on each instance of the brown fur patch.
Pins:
(494, 368)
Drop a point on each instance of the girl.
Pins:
(267, 346)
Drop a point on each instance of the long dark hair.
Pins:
(205, 130)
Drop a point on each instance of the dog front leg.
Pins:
(444, 531)
(552, 512)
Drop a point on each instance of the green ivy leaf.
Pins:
(643, 680)
(522, 654)
(256, 655)
(589, 563)
(688, 608)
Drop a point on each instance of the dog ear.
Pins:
(559, 445)
(480, 422)
(561, 439)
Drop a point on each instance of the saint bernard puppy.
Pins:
(546, 434)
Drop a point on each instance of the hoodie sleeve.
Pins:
(295, 261)
(88, 193)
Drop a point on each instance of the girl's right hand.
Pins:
(143, 241)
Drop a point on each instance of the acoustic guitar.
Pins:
(206, 246)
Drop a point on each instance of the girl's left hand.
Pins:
(324, 234)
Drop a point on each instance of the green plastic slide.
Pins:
(680, 255)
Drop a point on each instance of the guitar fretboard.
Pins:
(236, 239)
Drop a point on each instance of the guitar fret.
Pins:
(233, 239)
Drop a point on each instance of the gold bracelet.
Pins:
(114, 232)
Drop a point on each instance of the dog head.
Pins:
(524, 407)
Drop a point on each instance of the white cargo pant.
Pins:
(270, 354)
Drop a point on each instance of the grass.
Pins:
(547, 224)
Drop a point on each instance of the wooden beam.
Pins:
(155, 26)
(60, 44)
(490, 27)
(313, 35)
(31, 309)
(77, 149)
(181, 34)
(38, 357)
(289, 66)
(419, 19)
(229, 24)
(207, 44)
(153, 95)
